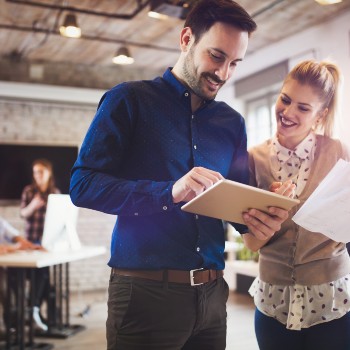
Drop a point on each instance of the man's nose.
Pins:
(223, 72)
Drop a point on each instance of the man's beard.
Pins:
(194, 82)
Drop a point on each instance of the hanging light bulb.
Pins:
(123, 56)
(70, 27)
(328, 2)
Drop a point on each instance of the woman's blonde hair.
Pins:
(326, 80)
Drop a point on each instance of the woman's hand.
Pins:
(286, 189)
(36, 203)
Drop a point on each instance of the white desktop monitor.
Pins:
(60, 232)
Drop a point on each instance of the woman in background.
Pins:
(302, 294)
(34, 199)
(33, 209)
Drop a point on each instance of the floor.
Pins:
(240, 334)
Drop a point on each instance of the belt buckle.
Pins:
(192, 277)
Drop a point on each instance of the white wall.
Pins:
(330, 40)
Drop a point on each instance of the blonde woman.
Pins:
(302, 294)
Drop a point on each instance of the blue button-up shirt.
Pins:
(143, 138)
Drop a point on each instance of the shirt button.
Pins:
(198, 249)
(192, 116)
(186, 94)
(197, 217)
(136, 214)
(195, 146)
(165, 207)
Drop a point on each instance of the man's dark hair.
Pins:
(206, 13)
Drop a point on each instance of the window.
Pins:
(260, 118)
(259, 92)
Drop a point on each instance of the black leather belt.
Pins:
(193, 277)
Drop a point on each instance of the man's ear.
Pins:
(186, 39)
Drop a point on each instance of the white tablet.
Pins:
(227, 200)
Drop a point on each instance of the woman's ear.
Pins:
(322, 115)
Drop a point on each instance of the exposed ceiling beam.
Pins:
(89, 37)
(140, 6)
(266, 8)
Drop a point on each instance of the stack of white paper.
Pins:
(327, 210)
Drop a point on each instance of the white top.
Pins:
(302, 306)
(7, 232)
(293, 164)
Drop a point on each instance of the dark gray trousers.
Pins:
(144, 314)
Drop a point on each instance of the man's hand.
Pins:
(263, 226)
(193, 183)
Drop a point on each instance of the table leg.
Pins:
(58, 328)
(15, 289)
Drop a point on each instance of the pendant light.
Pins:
(328, 2)
(123, 56)
(70, 27)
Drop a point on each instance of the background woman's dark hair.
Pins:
(48, 165)
(206, 13)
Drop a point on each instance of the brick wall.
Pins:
(68, 74)
(52, 123)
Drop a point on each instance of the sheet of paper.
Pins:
(327, 210)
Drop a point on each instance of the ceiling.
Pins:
(30, 33)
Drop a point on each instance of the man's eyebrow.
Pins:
(225, 54)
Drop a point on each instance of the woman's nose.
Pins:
(287, 110)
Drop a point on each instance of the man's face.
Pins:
(211, 62)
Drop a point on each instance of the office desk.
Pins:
(18, 264)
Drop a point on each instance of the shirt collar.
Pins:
(180, 88)
(302, 151)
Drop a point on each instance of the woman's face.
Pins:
(41, 175)
(298, 109)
